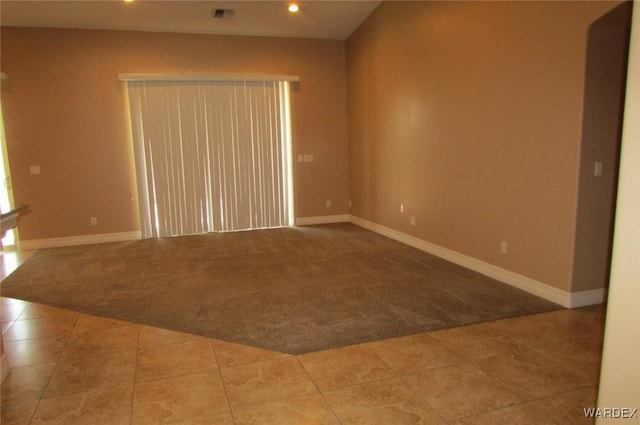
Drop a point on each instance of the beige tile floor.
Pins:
(73, 368)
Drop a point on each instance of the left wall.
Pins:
(64, 112)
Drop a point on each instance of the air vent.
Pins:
(222, 13)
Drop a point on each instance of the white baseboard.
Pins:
(79, 240)
(532, 286)
(543, 290)
(323, 219)
(588, 297)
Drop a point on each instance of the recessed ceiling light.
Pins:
(293, 8)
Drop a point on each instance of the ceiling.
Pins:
(326, 19)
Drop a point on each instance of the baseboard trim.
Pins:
(79, 240)
(532, 286)
(588, 297)
(543, 290)
(323, 219)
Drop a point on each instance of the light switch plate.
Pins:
(597, 168)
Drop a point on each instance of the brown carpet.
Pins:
(293, 290)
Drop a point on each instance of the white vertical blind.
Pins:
(211, 155)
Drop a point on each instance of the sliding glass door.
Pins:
(6, 199)
(211, 155)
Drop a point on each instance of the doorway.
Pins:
(605, 85)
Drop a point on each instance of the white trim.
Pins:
(79, 240)
(287, 159)
(588, 297)
(323, 219)
(532, 286)
(206, 77)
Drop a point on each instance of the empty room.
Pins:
(319, 212)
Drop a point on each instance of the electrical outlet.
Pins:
(93, 221)
(401, 208)
(412, 221)
(328, 203)
(503, 247)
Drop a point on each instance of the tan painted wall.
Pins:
(64, 112)
(469, 113)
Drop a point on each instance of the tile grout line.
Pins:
(224, 387)
(315, 384)
(523, 400)
(66, 344)
(413, 391)
(135, 379)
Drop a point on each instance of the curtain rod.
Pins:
(197, 77)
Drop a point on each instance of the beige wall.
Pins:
(64, 111)
(469, 113)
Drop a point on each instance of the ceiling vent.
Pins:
(222, 13)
